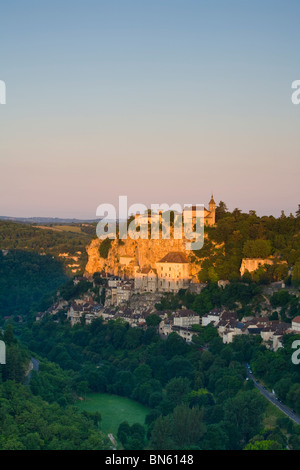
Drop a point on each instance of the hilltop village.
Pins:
(126, 301)
(134, 305)
(132, 277)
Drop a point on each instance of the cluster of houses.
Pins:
(127, 301)
(182, 321)
(229, 326)
(118, 291)
(171, 275)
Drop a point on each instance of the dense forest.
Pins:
(28, 283)
(240, 235)
(30, 419)
(198, 394)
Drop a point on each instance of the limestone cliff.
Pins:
(124, 256)
(252, 264)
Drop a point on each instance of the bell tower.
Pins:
(212, 210)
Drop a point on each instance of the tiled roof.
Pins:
(174, 257)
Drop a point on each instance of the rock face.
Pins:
(252, 264)
(142, 253)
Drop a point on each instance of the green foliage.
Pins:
(257, 249)
(168, 302)
(153, 320)
(238, 235)
(263, 445)
(242, 416)
(214, 297)
(30, 423)
(296, 274)
(281, 298)
(182, 429)
(28, 283)
(17, 358)
(132, 437)
(177, 390)
(70, 291)
(104, 248)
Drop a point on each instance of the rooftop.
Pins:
(174, 257)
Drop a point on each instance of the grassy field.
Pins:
(61, 228)
(114, 409)
(271, 415)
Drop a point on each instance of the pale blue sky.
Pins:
(162, 101)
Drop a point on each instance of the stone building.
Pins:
(209, 214)
(296, 324)
(173, 272)
(145, 279)
(170, 275)
(185, 318)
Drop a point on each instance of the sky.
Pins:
(164, 101)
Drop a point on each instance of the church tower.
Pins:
(212, 210)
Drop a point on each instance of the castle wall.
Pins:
(252, 264)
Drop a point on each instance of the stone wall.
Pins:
(252, 264)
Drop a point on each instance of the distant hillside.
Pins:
(46, 220)
(65, 242)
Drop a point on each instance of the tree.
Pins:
(221, 210)
(293, 397)
(132, 338)
(177, 390)
(153, 320)
(188, 426)
(123, 432)
(161, 435)
(296, 274)
(215, 438)
(262, 445)
(82, 388)
(236, 213)
(9, 335)
(143, 373)
(257, 249)
(104, 248)
(242, 417)
(138, 431)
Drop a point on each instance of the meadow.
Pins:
(114, 409)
